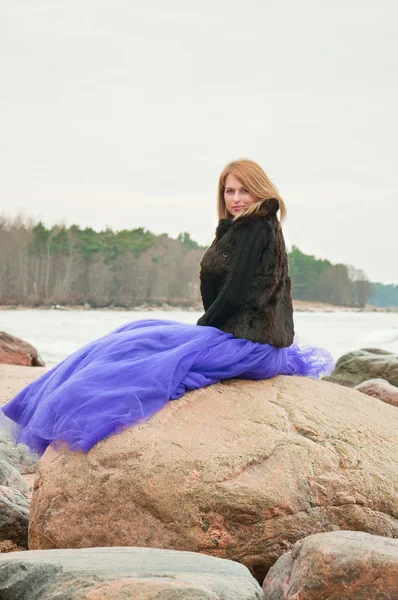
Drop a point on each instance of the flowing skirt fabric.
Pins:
(129, 374)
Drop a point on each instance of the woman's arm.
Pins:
(209, 288)
(251, 241)
(211, 283)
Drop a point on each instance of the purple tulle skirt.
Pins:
(129, 374)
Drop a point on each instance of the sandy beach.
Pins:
(14, 378)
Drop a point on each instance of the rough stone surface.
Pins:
(11, 477)
(18, 455)
(7, 546)
(121, 573)
(12, 380)
(14, 351)
(341, 565)
(17, 463)
(381, 389)
(14, 517)
(361, 365)
(239, 470)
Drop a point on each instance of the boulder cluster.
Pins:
(283, 489)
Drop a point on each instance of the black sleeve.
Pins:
(246, 255)
(209, 288)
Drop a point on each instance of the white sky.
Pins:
(123, 113)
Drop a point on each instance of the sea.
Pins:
(58, 333)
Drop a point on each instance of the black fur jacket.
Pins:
(244, 279)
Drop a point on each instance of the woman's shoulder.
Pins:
(223, 226)
(264, 218)
(266, 212)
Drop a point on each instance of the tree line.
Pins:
(74, 266)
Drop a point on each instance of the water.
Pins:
(56, 333)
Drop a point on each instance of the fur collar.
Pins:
(267, 210)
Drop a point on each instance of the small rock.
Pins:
(120, 573)
(343, 565)
(15, 459)
(14, 351)
(18, 455)
(361, 365)
(14, 517)
(381, 389)
(11, 477)
(8, 546)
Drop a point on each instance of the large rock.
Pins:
(239, 470)
(381, 389)
(14, 351)
(14, 517)
(343, 565)
(121, 573)
(370, 363)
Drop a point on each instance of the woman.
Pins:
(246, 331)
(245, 283)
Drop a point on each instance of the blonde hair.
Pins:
(252, 176)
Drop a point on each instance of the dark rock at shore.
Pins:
(18, 455)
(14, 351)
(343, 565)
(11, 477)
(361, 365)
(14, 492)
(119, 573)
(14, 517)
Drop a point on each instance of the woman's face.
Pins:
(237, 197)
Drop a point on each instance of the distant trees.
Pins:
(322, 281)
(71, 265)
(384, 295)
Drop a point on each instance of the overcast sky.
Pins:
(123, 114)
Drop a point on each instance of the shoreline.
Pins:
(298, 305)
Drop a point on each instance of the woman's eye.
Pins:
(245, 192)
(229, 191)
